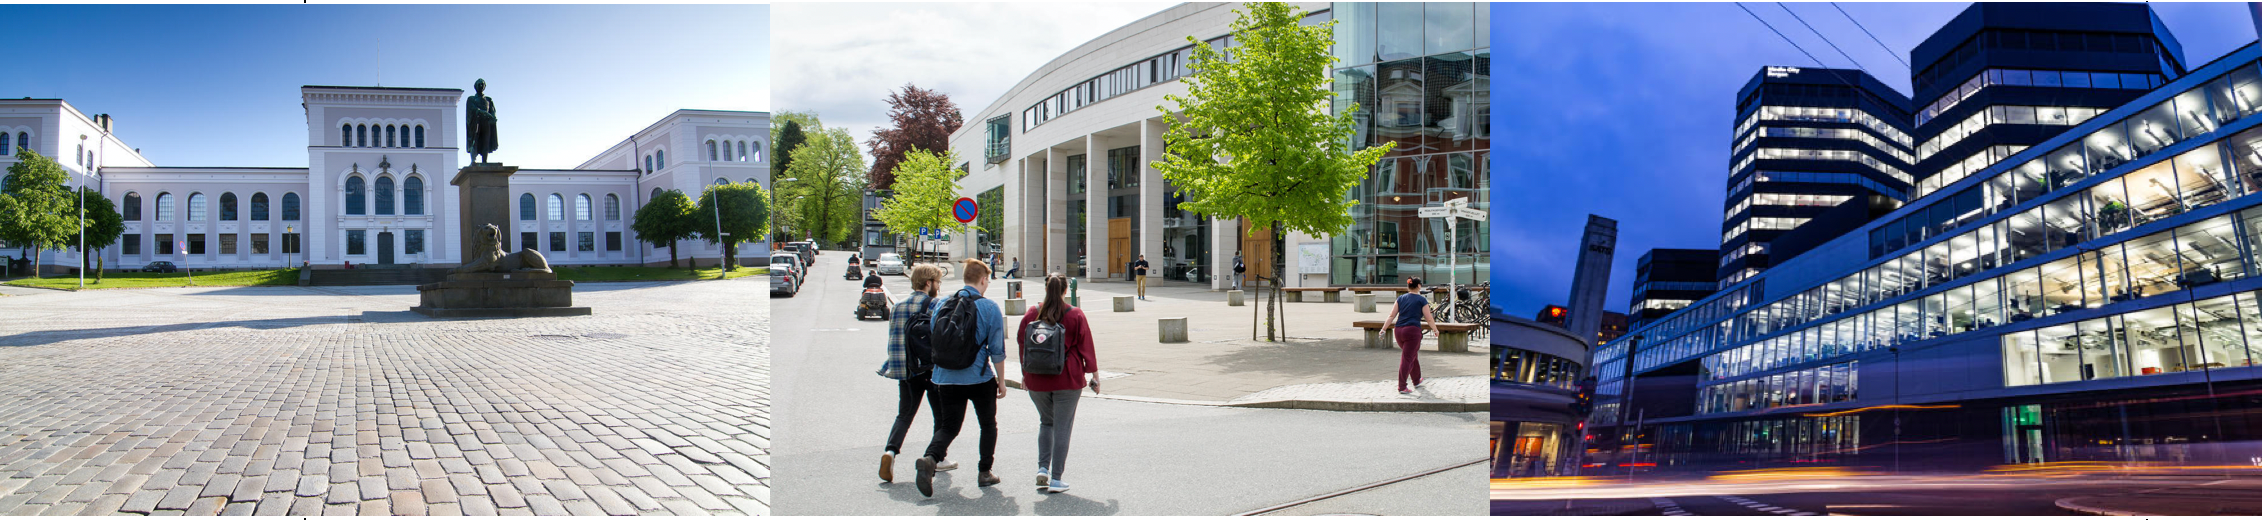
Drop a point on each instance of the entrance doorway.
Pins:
(1119, 246)
(385, 247)
(2024, 434)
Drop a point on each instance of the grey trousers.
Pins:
(1057, 412)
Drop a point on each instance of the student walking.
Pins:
(1140, 275)
(1238, 269)
(1408, 317)
(910, 361)
(969, 336)
(1057, 361)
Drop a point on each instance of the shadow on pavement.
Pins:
(44, 337)
(1065, 504)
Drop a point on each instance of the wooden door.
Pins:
(1119, 246)
(1257, 254)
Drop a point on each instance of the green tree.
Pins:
(36, 210)
(782, 147)
(1254, 138)
(824, 186)
(926, 185)
(745, 212)
(664, 221)
(103, 227)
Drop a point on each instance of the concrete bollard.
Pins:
(1234, 298)
(1171, 330)
(1016, 306)
(1123, 303)
(1332, 296)
(1364, 303)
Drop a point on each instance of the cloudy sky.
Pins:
(1625, 111)
(219, 85)
(841, 60)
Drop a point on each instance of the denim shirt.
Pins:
(990, 332)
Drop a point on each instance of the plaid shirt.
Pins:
(900, 317)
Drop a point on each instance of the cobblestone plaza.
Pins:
(338, 400)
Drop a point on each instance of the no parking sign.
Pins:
(964, 210)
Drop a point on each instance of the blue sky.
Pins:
(1625, 111)
(219, 85)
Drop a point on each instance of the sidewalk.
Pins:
(2228, 497)
(1321, 365)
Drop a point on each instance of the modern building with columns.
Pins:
(376, 189)
(1070, 150)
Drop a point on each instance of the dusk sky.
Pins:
(219, 85)
(1625, 111)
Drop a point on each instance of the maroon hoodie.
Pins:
(1077, 337)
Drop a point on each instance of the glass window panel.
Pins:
(2062, 286)
(2153, 129)
(2114, 212)
(2217, 326)
(2106, 148)
(2154, 192)
(2101, 349)
(2059, 350)
(1988, 304)
(1449, 26)
(2201, 176)
(1355, 33)
(2153, 340)
(2152, 264)
(1399, 30)
(2210, 252)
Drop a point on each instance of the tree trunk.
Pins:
(37, 255)
(99, 265)
(730, 255)
(671, 254)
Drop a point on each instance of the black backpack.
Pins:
(954, 331)
(1042, 347)
(919, 354)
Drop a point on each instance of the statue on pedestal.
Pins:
(479, 123)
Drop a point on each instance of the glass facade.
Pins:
(1417, 75)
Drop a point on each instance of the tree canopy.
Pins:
(665, 220)
(744, 210)
(922, 120)
(36, 206)
(926, 186)
(823, 190)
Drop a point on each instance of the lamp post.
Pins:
(83, 172)
(289, 233)
(722, 239)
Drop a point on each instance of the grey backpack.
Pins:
(1043, 347)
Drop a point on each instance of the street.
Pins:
(1791, 494)
(1128, 458)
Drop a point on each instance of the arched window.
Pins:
(557, 208)
(384, 194)
(711, 150)
(361, 135)
(655, 196)
(346, 135)
(660, 159)
(164, 207)
(132, 201)
(81, 156)
(420, 136)
(389, 136)
(648, 164)
(228, 205)
(290, 206)
(355, 205)
(719, 181)
(582, 207)
(612, 207)
(196, 207)
(750, 180)
(4, 149)
(259, 206)
(412, 196)
(742, 150)
(23, 140)
(526, 206)
(758, 155)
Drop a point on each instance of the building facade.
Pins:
(1669, 279)
(376, 189)
(2088, 295)
(1807, 140)
(1069, 150)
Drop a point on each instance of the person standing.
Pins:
(1408, 318)
(969, 335)
(1238, 269)
(1140, 275)
(993, 265)
(910, 360)
(1057, 361)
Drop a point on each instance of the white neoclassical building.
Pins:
(376, 186)
(1068, 152)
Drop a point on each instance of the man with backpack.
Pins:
(911, 358)
(968, 333)
(1238, 269)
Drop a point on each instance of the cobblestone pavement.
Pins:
(337, 401)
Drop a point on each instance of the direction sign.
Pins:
(1434, 212)
(1457, 202)
(1470, 214)
(964, 210)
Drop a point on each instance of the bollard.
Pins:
(1171, 330)
(1016, 306)
(1234, 298)
(1123, 303)
(1013, 289)
(1073, 301)
(1364, 302)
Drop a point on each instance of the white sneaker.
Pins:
(1057, 486)
(945, 465)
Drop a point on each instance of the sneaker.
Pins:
(987, 480)
(1057, 486)
(1405, 391)
(926, 480)
(1042, 478)
(888, 466)
(945, 465)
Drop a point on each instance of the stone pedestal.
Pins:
(1364, 303)
(1171, 330)
(1234, 298)
(484, 197)
(499, 295)
(1123, 303)
(1016, 306)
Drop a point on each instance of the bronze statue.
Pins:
(489, 257)
(479, 122)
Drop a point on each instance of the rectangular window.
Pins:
(196, 244)
(259, 243)
(356, 242)
(558, 241)
(129, 244)
(413, 242)
(164, 243)
(228, 244)
(291, 243)
(613, 241)
(527, 241)
(585, 241)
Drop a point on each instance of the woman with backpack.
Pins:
(1057, 363)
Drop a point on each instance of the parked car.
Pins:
(160, 266)
(889, 263)
(805, 251)
(786, 274)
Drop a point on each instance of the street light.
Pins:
(83, 172)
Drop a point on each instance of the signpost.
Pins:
(1458, 208)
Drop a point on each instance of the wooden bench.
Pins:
(1453, 337)
(1328, 294)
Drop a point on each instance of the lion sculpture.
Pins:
(490, 258)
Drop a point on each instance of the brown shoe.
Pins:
(888, 466)
(987, 480)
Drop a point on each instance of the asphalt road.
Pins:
(1900, 495)
(1129, 458)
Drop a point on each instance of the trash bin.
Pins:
(1013, 289)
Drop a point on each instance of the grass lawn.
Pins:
(641, 274)
(138, 280)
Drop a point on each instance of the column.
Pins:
(1153, 196)
(1057, 212)
(1098, 264)
(1226, 239)
(1011, 213)
(1032, 204)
